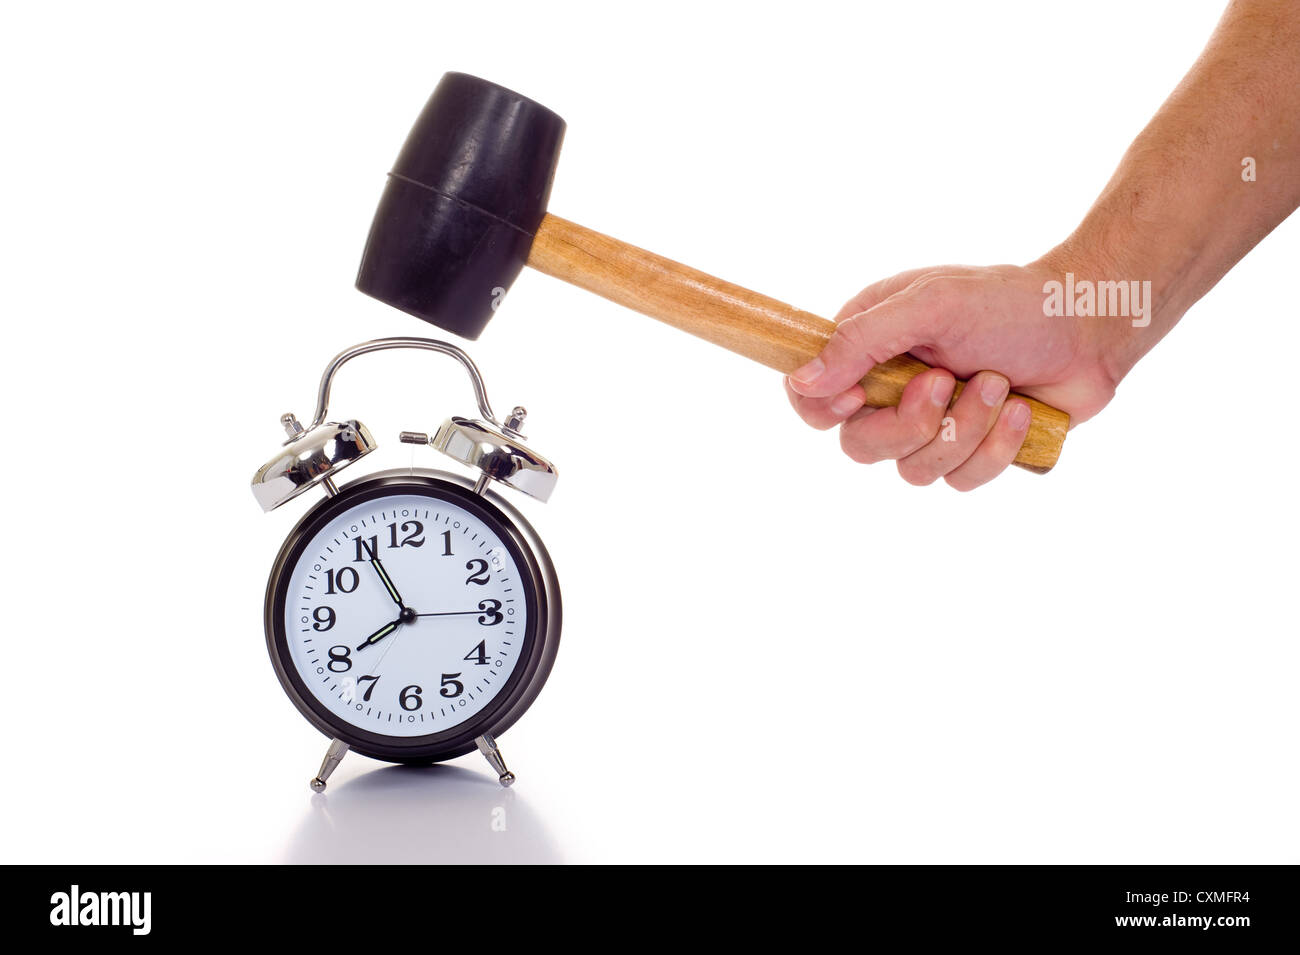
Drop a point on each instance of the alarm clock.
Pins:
(411, 615)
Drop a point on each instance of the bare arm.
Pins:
(1182, 208)
(1179, 212)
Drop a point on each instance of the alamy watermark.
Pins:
(1084, 298)
(76, 907)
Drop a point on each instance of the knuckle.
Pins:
(808, 412)
(915, 473)
(972, 421)
(924, 431)
(851, 444)
(960, 483)
(850, 333)
(803, 411)
(933, 287)
(998, 447)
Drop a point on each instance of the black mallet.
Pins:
(465, 209)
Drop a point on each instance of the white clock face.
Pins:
(405, 615)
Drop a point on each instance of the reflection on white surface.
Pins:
(412, 815)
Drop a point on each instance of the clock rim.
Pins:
(541, 639)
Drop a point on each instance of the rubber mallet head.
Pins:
(462, 204)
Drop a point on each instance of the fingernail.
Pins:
(941, 390)
(847, 403)
(809, 372)
(1018, 416)
(993, 389)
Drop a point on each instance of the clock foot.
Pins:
(333, 756)
(488, 747)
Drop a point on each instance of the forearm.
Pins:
(1178, 211)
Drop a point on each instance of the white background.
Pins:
(769, 653)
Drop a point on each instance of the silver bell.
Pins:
(498, 453)
(308, 458)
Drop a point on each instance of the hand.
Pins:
(983, 324)
(387, 581)
(382, 632)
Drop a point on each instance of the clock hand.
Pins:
(383, 574)
(379, 634)
(452, 613)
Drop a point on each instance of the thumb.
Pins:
(877, 292)
(861, 342)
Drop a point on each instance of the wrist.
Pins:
(1122, 299)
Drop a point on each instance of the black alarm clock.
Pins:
(413, 615)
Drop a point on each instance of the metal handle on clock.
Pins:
(384, 344)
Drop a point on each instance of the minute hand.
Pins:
(373, 554)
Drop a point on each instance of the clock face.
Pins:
(404, 610)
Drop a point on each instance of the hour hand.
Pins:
(379, 634)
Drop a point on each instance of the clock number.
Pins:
(371, 688)
(324, 618)
(368, 547)
(342, 581)
(410, 698)
(367, 551)
(493, 615)
(342, 655)
(414, 537)
(446, 543)
(478, 569)
(448, 681)
(478, 654)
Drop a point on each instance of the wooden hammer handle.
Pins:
(753, 325)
